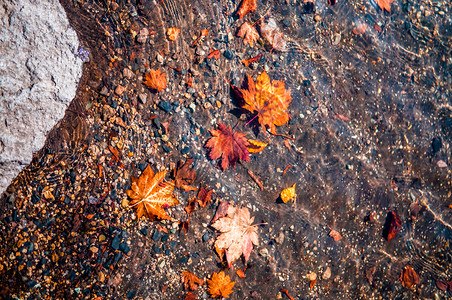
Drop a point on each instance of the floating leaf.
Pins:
(150, 195)
(269, 100)
(184, 175)
(230, 146)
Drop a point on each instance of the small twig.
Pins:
(284, 136)
(256, 179)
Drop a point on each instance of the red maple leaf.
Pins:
(229, 145)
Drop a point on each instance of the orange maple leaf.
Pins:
(173, 33)
(238, 234)
(229, 145)
(191, 281)
(385, 4)
(269, 100)
(246, 6)
(220, 285)
(150, 194)
(155, 80)
(248, 33)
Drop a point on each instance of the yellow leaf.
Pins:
(288, 193)
(173, 33)
(150, 195)
(256, 146)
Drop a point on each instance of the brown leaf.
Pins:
(392, 226)
(191, 205)
(248, 33)
(268, 99)
(184, 225)
(409, 277)
(190, 296)
(204, 196)
(220, 285)
(191, 281)
(155, 80)
(173, 33)
(222, 210)
(238, 235)
(184, 175)
(444, 285)
(245, 7)
(229, 145)
(150, 195)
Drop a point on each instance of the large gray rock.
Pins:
(39, 73)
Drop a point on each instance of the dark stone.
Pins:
(173, 245)
(167, 252)
(166, 148)
(115, 243)
(205, 237)
(118, 256)
(437, 144)
(286, 23)
(144, 231)
(157, 235)
(157, 123)
(124, 248)
(31, 284)
(156, 249)
(131, 294)
(228, 54)
(185, 150)
(165, 238)
(114, 104)
(166, 106)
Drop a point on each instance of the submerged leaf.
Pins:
(248, 33)
(238, 234)
(155, 80)
(245, 7)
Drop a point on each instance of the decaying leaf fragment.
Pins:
(155, 80)
(184, 175)
(150, 195)
(335, 235)
(409, 277)
(392, 226)
(273, 35)
(385, 4)
(191, 281)
(245, 7)
(288, 193)
(173, 33)
(248, 33)
(238, 234)
(269, 100)
(229, 145)
(220, 285)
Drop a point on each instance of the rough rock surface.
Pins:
(39, 73)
